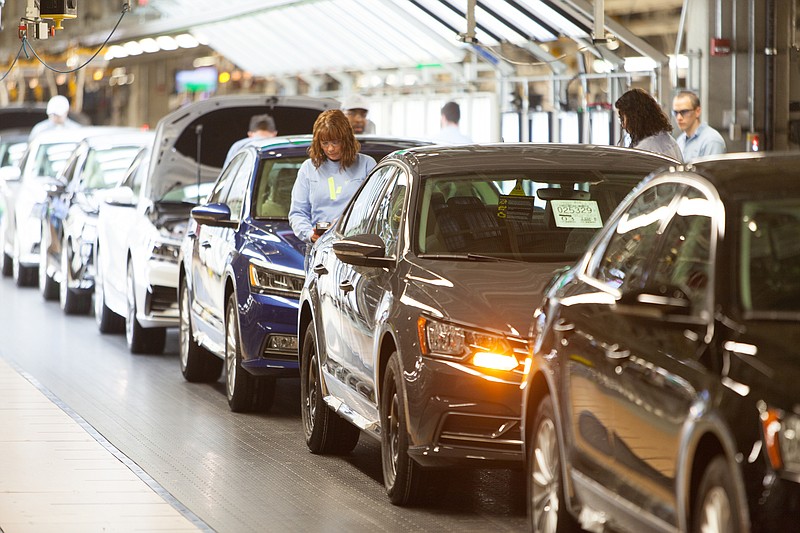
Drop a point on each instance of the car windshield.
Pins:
(520, 216)
(105, 167)
(770, 257)
(273, 190)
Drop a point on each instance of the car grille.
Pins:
(488, 432)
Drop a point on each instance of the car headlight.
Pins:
(271, 280)
(165, 251)
(782, 439)
(450, 341)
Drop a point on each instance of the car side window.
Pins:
(367, 197)
(624, 259)
(389, 214)
(239, 186)
(684, 258)
(220, 190)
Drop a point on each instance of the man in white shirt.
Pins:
(450, 134)
(698, 138)
(57, 117)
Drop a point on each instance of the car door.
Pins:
(354, 300)
(661, 370)
(114, 224)
(205, 263)
(590, 339)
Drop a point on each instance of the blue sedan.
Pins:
(242, 271)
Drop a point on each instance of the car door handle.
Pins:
(346, 286)
(320, 269)
(191, 235)
(614, 352)
(562, 325)
(205, 244)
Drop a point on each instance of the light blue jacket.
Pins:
(321, 194)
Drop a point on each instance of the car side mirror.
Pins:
(655, 302)
(366, 249)
(120, 196)
(10, 173)
(215, 215)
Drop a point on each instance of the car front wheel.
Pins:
(107, 320)
(140, 340)
(197, 363)
(402, 476)
(47, 285)
(244, 390)
(325, 431)
(6, 264)
(547, 508)
(24, 276)
(716, 508)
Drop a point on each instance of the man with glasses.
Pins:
(698, 138)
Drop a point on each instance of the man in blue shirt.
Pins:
(698, 138)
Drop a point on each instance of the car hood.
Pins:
(774, 371)
(276, 243)
(494, 295)
(191, 143)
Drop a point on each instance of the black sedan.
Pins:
(415, 310)
(662, 388)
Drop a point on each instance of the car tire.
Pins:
(47, 285)
(245, 391)
(402, 476)
(107, 320)
(325, 431)
(139, 339)
(23, 276)
(73, 301)
(6, 264)
(716, 508)
(547, 506)
(198, 365)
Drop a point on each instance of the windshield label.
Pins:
(576, 214)
(513, 207)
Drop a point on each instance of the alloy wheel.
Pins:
(716, 512)
(545, 479)
(230, 352)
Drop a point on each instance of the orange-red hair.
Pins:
(333, 125)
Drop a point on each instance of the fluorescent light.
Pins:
(133, 48)
(149, 45)
(116, 51)
(185, 40)
(165, 42)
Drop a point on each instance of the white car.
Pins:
(142, 223)
(26, 193)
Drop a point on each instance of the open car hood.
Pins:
(209, 128)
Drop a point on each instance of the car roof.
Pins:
(133, 137)
(77, 134)
(550, 157)
(750, 173)
(264, 145)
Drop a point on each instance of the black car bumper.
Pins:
(459, 415)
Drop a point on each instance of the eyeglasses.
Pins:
(332, 144)
(682, 112)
